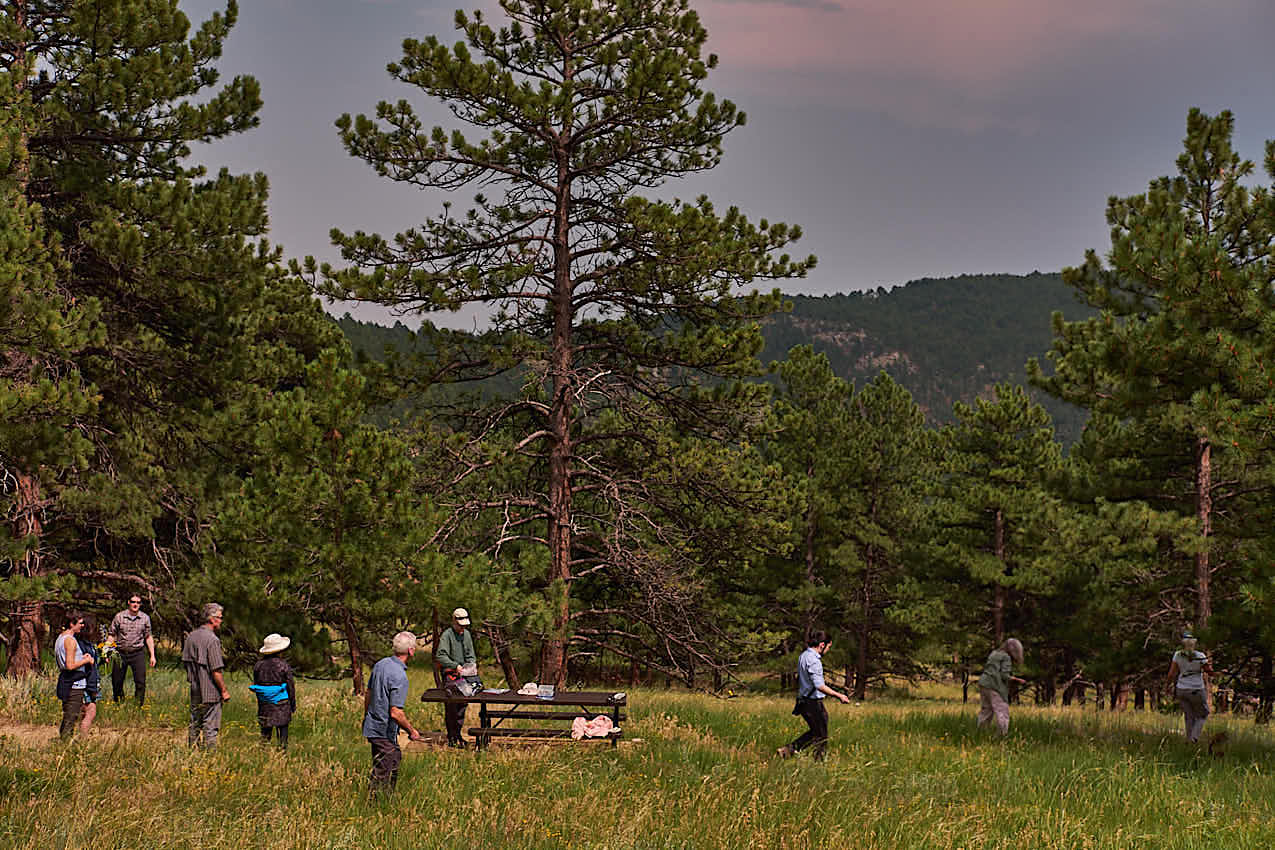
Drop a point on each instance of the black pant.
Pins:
(816, 717)
(386, 757)
(454, 715)
(283, 735)
(135, 660)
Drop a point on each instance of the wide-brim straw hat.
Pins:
(274, 643)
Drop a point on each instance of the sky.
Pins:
(908, 138)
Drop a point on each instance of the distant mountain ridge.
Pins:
(945, 339)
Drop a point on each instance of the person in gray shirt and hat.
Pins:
(1186, 680)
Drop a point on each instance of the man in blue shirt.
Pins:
(811, 689)
(383, 713)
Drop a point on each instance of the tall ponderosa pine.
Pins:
(614, 303)
(195, 316)
(1174, 370)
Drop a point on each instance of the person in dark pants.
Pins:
(276, 690)
(811, 690)
(383, 713)
(131, 631)
(456, 656)
(93, 681)
(72, 674)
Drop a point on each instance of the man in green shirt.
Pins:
(455, 655)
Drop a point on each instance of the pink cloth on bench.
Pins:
(598, 727)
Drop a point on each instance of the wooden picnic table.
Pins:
(494, 708)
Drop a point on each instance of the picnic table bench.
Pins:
(495, 707)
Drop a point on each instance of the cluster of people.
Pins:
(79, 678)
(1185, 680)
(385, 699)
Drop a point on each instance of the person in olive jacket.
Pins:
(456, 651)
(993, 685)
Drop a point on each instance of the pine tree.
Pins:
(616, 305)
(194, 318)
(1174, 369)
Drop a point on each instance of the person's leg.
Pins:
(196, 723)
(212, 724)
(1188, 715)
(453, 717)
(117, 679)
(819, 728)
(985, 710)
(283, 736)
(1195, 709)
(72, 708)
(87, 717)
(810, 735)
(265, 733)
(1000, 709)
(385, 761)
(138, 662)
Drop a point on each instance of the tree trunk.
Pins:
(30, 628)
(634, 673)
(965, 685)
(998, 601)
(29, 634)
(500, 647)
(865, 630)
(1266, 701)
(561, 410)
(810, 551)
(356, 655)
(438, 634)
(1204, 513)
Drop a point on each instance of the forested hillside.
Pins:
(945, 340)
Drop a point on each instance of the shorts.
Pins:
(90, 697)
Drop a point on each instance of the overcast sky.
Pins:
(908, 138)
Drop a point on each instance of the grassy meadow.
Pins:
(695, 772)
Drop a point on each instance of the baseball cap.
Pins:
(461, 616)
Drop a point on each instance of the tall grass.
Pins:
(905, 773)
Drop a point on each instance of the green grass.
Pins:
(900, 774)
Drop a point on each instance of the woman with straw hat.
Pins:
(276, 689)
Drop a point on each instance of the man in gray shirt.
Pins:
(131, 630)
(456, 658)
(202, 656)
(383, 713)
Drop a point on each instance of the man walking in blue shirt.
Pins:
(811, 690)
(383, 713)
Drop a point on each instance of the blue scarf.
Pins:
(273, 694)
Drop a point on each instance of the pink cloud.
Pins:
(924, 61)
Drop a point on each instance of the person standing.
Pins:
(456, 657)
(93, 681)
(811, 690)
(276, 689)
(131, 630)
(72, 674)
(383, 713)
(201, 654)
(1186, 681)
(993, 685)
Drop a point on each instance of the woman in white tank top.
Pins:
(1186, 681)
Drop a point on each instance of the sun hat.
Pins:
(1187, 635)
(461, 616)
(274, 643)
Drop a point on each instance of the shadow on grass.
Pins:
(1125, 734)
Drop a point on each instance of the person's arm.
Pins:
(1173, 675)
(114, 631)
(72, 648)
(292, 690)
(400, 717)
(471, 657)
(150, 641)
(220, 682)
(816, 679)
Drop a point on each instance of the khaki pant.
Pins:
(993, 705)
(72, 709)
(1194, 712)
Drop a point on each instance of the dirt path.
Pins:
(30, 735)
